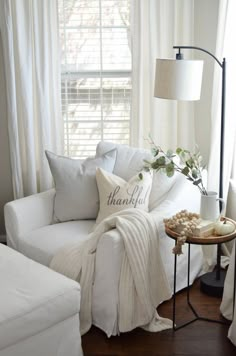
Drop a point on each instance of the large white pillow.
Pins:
(75, 182)
(116, 194)
(129, 161)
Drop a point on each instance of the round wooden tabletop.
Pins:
(205, 240)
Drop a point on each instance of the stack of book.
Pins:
(204, 228)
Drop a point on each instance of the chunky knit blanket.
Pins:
(143, 283)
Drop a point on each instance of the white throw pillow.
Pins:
(130, 160)
(76, 188)
(116, 194)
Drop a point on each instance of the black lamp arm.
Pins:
(199, 49)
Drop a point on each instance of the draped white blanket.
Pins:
(143, 283)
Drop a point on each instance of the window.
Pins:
(96, 73)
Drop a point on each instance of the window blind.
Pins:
(96, 66)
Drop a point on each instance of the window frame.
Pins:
(100, 74)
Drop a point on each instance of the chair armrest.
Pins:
(109, 256)
(27, 214)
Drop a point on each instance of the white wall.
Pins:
(6, 193)
(206, 15)
(206, 12)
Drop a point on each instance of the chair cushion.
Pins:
(117, 194)
(129, 161)
(43, 243)
(75, 183)
(33, 297)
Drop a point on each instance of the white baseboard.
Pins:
(3, 238)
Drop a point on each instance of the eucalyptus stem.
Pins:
(191, 164)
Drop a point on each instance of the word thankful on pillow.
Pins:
(116, 194)
(76, 188)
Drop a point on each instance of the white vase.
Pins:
(209, 209)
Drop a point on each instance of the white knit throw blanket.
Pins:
(143, 283)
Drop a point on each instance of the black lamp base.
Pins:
(212, 286)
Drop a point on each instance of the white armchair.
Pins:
(30, 230)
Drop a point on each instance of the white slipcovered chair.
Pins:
(39, 309)
(30, 230)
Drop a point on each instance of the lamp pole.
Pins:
(222, 125)
(210, 283)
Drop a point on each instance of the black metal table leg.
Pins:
(188, 294)
(218, 275)
(197, 317)
(188, 290)
(174, 301)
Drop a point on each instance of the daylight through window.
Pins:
(96, 73)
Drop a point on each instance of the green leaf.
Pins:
(155, 151)
(170, 169)
(169, 154)
(161, 160)
(198, 181)
(140, 176)
(170, 174)
(185, 171)
(159, 163)
(155, 165)
(190, 163)
(182, 156)
(178, 150)
(194, 173)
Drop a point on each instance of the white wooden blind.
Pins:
(96, 73)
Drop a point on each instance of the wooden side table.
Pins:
(209, 240)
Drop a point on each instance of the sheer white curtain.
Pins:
(230, 151)
(225, 47)
(29, 30)
(229, 52)
(158, 25)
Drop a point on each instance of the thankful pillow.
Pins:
(116, 194)
(76, 188)
(130, 160)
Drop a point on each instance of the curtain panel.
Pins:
(158, 25)
(29, 31)
(224, 48)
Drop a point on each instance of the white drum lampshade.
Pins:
(179, 79)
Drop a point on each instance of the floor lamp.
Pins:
(181, 79)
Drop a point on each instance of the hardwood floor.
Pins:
(200, 338)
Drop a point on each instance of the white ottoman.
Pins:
(39, 309)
